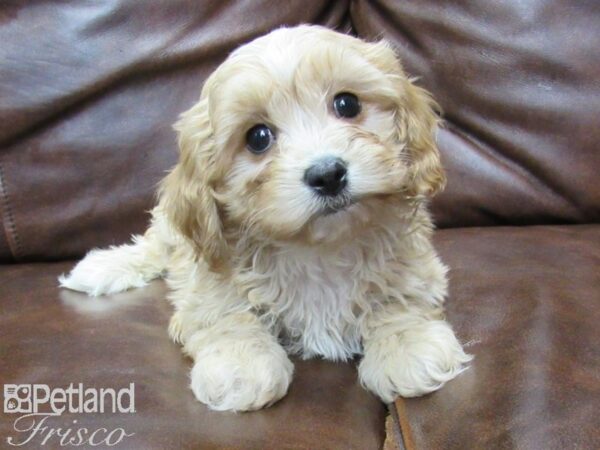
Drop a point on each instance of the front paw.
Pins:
(241, 379)
(104, 272)
(411, 361)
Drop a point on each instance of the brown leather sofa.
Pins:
(88, 93)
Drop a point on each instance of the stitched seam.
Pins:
(10, 228)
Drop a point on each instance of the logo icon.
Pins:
(17, 398)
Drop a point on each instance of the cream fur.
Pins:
(256, 269)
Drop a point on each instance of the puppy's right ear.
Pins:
(187, 193)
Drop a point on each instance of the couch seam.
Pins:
(392, 430)
(10, 228)
(404, 425)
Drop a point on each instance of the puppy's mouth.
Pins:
(335, 204)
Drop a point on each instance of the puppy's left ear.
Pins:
(417, 122)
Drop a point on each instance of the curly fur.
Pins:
(256, 269)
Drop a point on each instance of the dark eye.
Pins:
(346, 105)
(259, 138)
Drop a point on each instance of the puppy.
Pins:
(296, 223)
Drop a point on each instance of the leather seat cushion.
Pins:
(524, 299)
(527, 302)
(57, 337)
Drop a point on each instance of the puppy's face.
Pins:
(302, 134)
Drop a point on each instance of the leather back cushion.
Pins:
(519, 83)
(88, 93)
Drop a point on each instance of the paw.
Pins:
(235, 378)
(411, 361)
(102, 272)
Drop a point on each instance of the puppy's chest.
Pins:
(315, 301)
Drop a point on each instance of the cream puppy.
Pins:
(296, 222)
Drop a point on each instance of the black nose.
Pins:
(327, 176)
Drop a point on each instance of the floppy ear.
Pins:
(187, 193)
(417, 123)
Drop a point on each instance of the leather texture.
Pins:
(519, 84)
(56, 337)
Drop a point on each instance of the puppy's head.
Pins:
(305, 134)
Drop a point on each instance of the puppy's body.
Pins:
(261, 264)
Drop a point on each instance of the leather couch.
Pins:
(88, 93)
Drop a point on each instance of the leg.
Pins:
(409, 353)
(118, 268)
